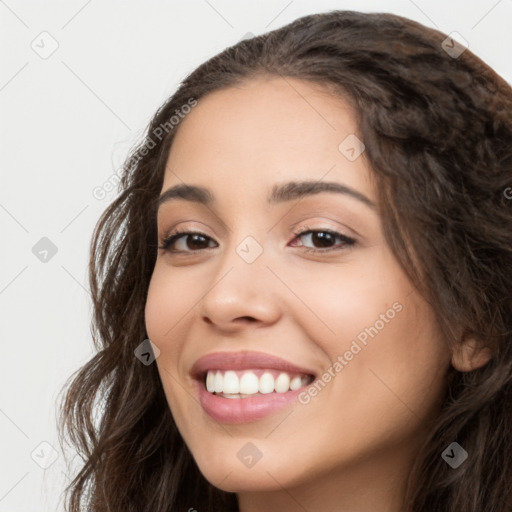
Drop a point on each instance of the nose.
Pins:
(241, 294)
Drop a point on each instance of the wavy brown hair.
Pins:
(438, 137)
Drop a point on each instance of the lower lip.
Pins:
(244, 410)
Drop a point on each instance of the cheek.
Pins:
(369, 318)
(168, 304)
(341, 300)
(393, 372)
(165, 316)
(168, 300)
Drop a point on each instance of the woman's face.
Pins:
(344, 312)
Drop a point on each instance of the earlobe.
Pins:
(469, 355)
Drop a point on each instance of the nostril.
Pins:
(244, 319)
(240, 319)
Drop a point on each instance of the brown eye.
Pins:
(185, 241)
(323, 239)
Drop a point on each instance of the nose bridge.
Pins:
(244, 259)
(246, 247)
(240, 283)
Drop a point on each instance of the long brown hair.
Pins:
(437, 128)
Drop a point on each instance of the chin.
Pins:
(246, 483)
(260, 477)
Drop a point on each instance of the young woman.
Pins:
(302, 295)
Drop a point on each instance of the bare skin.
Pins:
(351, 446)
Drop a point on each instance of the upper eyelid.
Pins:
(295, 231)
(292, 227)
(179, 233)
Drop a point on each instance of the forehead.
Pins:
(264, 131)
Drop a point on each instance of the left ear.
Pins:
(469, 355)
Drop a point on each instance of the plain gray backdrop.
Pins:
(79, 81)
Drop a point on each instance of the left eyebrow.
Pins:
(297, 189)
(280, 193)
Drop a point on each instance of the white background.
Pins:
(67, 122)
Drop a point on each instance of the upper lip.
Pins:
(245, 360)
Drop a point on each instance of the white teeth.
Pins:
(266, 383)
(218, 383)
(295, 383)
(210, 381)
(230, 385)
(225, 395)
(282, 383)
(249, 384)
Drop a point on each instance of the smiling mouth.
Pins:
(253, 383)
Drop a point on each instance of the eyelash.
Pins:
(347, 241)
